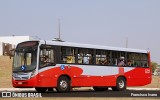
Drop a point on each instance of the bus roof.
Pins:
(92, 46)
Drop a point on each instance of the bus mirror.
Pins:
(11, 53)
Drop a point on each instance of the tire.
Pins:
(63, 84)
(120, 84)
(100, 88)
(40, 89)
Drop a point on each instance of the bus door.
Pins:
(46, 65)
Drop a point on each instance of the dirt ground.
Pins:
(5, 72)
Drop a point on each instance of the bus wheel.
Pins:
(100, 88)
(63, 84)
(40, 89)
(120, 84)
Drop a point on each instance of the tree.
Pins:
(154, 66)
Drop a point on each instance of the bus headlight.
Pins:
(33, 73)
(14, 75)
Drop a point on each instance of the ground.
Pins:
(5, 72)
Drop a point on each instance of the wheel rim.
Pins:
(121, 84)
(63, 84)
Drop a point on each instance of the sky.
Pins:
(100, 22)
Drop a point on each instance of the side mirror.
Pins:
(11, 53)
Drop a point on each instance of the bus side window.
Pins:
(68, 55)
(63, 53)
(85, 56)
(102, 57)
(46, 57)
(80, 56)
(145, 64)
(117, 58)
(70, 59)
(144, 60)
(129, 63)
(131, 59)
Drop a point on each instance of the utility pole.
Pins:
(59, 32)
(59, 29)
(127, 42)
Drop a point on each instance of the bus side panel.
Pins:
(94, 76)
(46, 80)
(48, 76)
(138, 77)
(95, 81)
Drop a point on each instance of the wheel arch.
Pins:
(122, 77)
(65, 76)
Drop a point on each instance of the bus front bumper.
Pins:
(24, 83)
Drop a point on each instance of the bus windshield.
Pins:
(25, 59)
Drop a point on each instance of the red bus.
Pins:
(63, 65)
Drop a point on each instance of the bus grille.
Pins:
(21, 78)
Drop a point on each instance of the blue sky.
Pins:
(102, 22)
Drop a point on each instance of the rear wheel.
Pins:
(100, 88)
(63, 84)
(120, 84)
(40, 89)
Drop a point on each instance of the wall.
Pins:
(1, 48)
(14, 39)
(8, 43)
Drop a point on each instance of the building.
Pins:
(8, 43)
(14, 39)
(1, 48)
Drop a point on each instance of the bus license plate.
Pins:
(19, 82)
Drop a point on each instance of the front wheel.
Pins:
(120, 84)
(63, 84)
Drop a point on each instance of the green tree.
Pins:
(154, 66)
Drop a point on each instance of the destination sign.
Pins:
(29, 43)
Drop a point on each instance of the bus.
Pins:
(45, 65)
